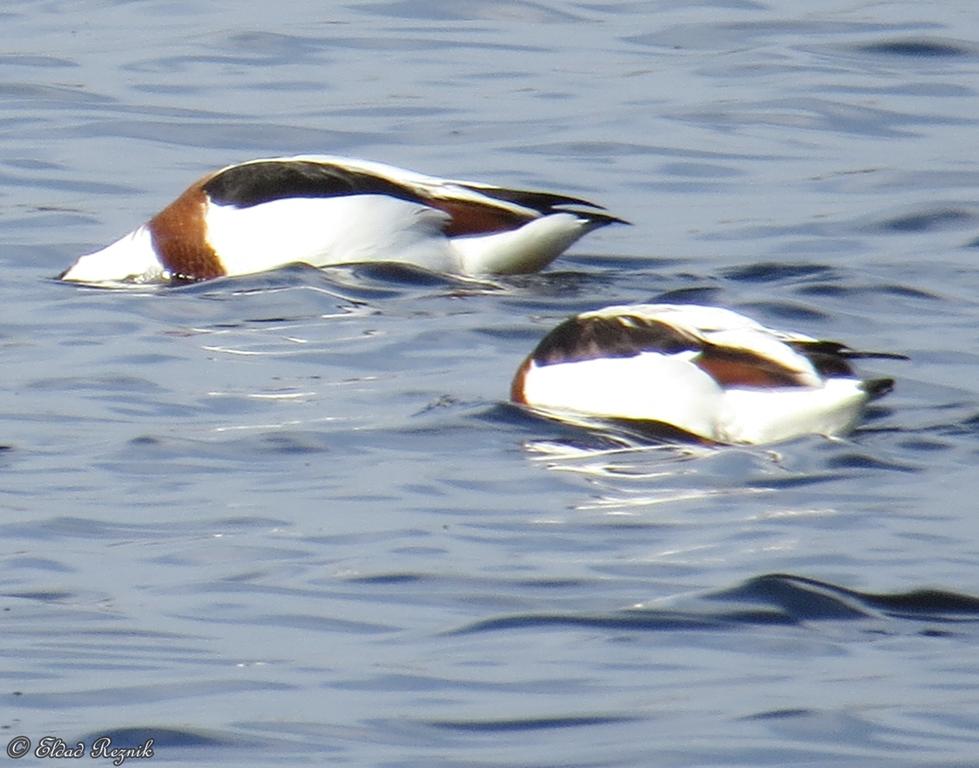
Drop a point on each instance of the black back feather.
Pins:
(244, 186)
(591, 338)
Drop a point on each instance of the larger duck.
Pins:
(323, 210)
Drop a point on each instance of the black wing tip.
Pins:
(861, 355)
(548, 202)
(831, 358)
(542, 202)
(842, 350)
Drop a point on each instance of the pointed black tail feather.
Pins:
(877, 388)
(596, 220)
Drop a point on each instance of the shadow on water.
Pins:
(772, 599)
(133, 737)
(570, 437)
(921, 48)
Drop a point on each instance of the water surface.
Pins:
(290, 518)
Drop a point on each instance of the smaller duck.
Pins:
(696, 372)
(323, 210)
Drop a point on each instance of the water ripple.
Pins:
(296, 510)
(772, 599)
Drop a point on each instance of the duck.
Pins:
(700, 373)
(325, 210)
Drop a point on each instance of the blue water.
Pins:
(290, 519)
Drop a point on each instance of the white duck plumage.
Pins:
(707, 372)
(324, 210)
